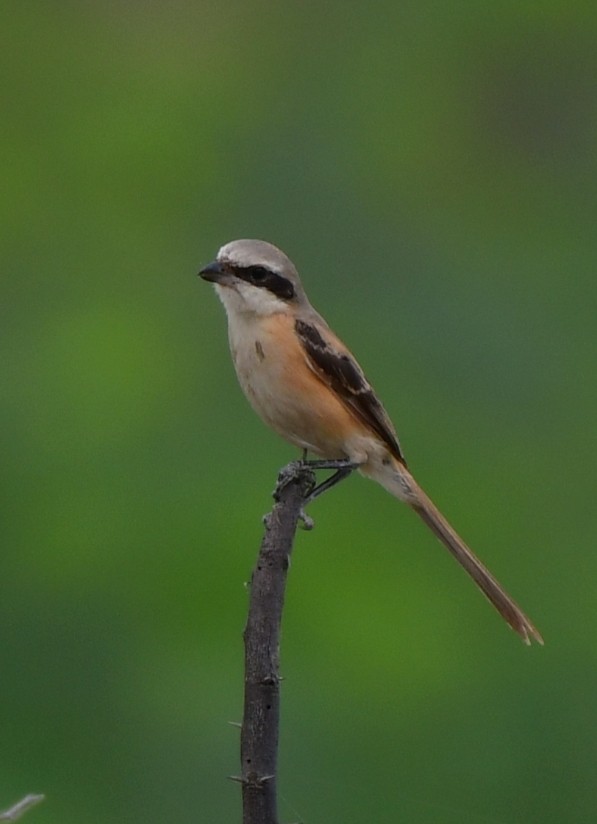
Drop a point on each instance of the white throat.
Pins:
(244, 298)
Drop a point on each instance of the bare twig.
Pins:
(21, 807)
(259, 735)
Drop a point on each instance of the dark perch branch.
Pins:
(259, 735)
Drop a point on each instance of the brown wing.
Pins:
(341, 372)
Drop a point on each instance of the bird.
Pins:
(305, 384)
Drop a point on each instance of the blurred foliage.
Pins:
(431, 169)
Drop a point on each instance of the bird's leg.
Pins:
(339, 475)
(343, 467)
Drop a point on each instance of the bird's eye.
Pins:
(258, 273)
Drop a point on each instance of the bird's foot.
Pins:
(292, 472)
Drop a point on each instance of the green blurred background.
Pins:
(431, 168)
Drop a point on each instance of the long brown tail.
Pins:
(404, 486)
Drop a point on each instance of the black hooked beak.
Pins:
(213, 272)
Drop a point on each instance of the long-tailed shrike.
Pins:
(303, 381)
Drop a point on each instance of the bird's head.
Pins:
(254, 276)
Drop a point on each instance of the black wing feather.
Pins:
(343, 374)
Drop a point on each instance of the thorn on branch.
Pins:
(21, 807)
(263, 779)
(252, 780)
